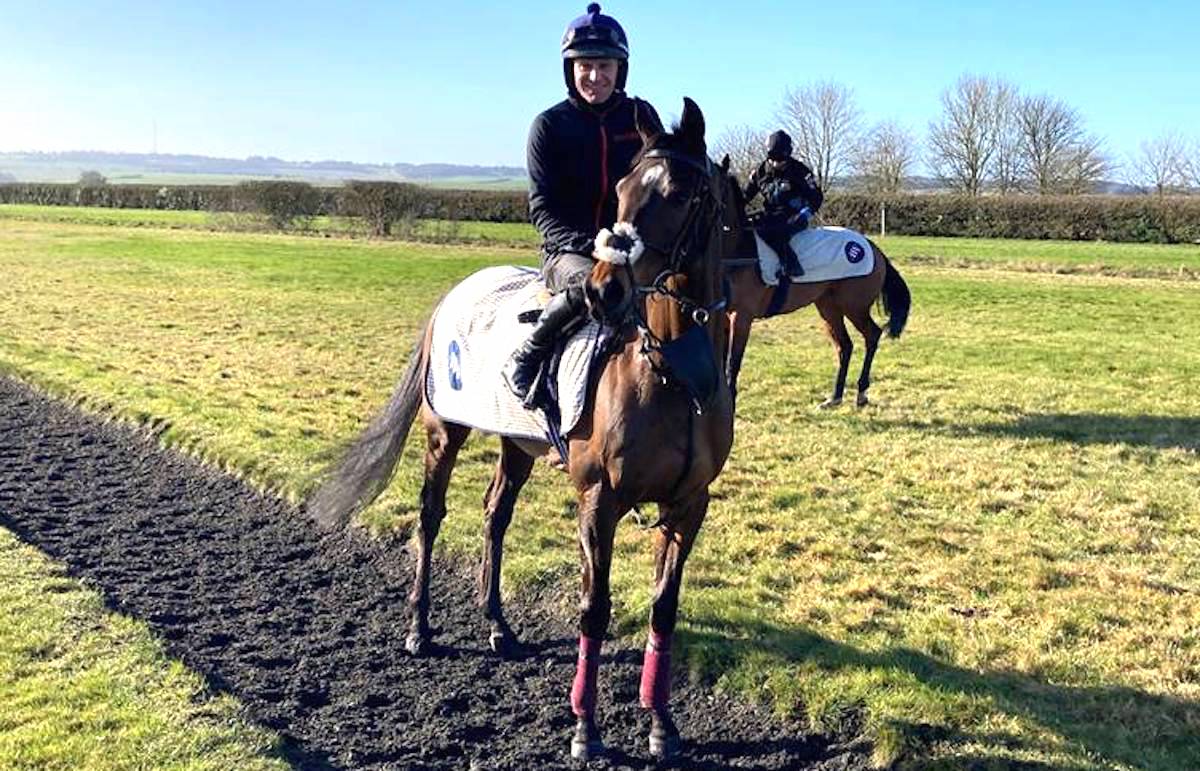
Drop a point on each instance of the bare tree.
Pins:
(1006, 164)
(1086, 165)
(885, 156)
(1048, 129)
(1161, 164)
(824, 123)
(1056, 154)
(745, 146)
(963, 141)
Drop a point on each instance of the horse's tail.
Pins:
(896, 299)
(367, 465)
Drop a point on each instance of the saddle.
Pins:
(826, 254)
(476, 328)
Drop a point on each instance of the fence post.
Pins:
(882, 219)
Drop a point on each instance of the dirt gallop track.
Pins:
(307, 631)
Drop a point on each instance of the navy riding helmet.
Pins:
(595, 36)
(779, 146)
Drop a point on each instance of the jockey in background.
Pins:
(577, 152)
(790, 199)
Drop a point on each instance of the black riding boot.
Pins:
(522, 368)
(791, 263)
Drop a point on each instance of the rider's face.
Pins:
(595, 79)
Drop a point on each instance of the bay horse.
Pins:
(657, 428)
(848, 298)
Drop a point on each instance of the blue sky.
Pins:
(454, 81)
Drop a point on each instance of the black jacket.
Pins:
(576, 156)
(785, 191)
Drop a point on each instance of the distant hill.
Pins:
(164, 169)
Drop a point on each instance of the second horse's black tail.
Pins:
(897, 300)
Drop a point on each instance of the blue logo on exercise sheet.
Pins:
(855, 252)
(455, 366)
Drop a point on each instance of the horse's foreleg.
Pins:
(835, 327)
(871, 333)
(443, 443)
(511, 473)
(598, 517)
(671, 548)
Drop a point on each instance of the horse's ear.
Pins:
(691, 127)
(646, 121)
(725, 164)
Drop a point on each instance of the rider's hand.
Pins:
(800, 219)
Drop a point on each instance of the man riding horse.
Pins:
(577, 151)
(790, 198)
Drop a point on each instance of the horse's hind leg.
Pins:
(511, 473)
(835, 327)
(672, 545)
(443, 442)
(871, 332)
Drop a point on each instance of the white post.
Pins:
(882, 219)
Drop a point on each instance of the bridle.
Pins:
(693, 236)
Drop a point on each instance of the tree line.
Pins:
(989, 138)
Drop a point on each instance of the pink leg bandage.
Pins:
(583, 690)
(656, 671)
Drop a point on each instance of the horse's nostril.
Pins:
(613, 295)
(621, 243)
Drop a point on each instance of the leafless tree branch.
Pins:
(823, 121)
(885, 156)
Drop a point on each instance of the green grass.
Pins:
(998, 561)
(1180, 261)
(1146, 260)
(81, 687)
(469, 232)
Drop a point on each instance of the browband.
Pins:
(674, 155)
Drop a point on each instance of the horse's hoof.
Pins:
(417, 644)
(861, 401)
(664, 745)
(586, 744)
(829, 404)
(507, 646)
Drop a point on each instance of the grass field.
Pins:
(81, 687)
(997, 562)
(1130, 260)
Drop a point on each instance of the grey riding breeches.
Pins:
(566, 270)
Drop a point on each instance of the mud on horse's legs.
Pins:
(598, 515)
(862, 321)
(672, 545)
(512, 471)
(443, 442)
(835, 327)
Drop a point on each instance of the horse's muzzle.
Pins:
(607, 297)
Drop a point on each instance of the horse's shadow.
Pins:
(1094, 719)
(1084, 428)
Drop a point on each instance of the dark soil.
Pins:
(307, 631)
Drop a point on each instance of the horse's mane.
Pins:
(739, 196)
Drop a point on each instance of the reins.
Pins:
(694, 236)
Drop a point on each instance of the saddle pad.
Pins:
(826, 254)
(475, 330)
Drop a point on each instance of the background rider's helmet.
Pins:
(595, 36)
(779, 146)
